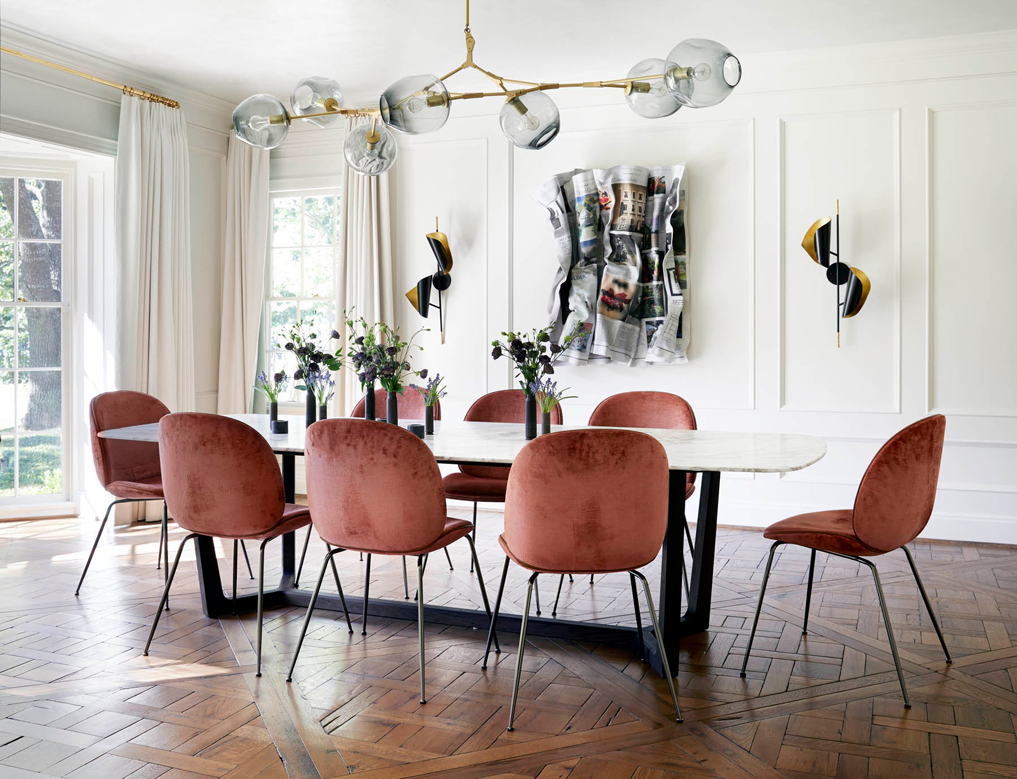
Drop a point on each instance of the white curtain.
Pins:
(243, 274)
(365, 272)
(155, 328)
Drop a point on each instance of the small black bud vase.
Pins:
(531, 416)
(392, 417)
(323, 411)
(428, 420)
(273, 411)
(369, 412)
(545, 422)
(310, 410)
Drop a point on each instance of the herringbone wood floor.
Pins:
(77, 699)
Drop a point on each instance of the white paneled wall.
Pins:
(916, 139)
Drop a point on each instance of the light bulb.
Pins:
(303, 98)
(316, 95)
(530, 120)
(415, 104)
(704, 84)
(647, 93)
(702, 72)
(261, 121)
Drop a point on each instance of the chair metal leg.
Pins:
(554, 609)
(928, 604)
(571, 580)
(449, 558)
(338, 586)
(808, 593)
(158, 556)
(303, 554)
(164, 532)
(261, 598)
(243, 548)
(483, 589)
(494, 616)
(474, 530)
(536, 592)
(95, 543)
(420, 622)
(367, 592)
(759, 605)
(310, 610)
(889, 629)
(660, 643)
(591, 579)
(519, 657)
(639, 618)
(165, 592)
(406, 581)
(236, 544)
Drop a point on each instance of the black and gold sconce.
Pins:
(817, 244)
(420, 295)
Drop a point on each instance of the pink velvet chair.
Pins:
(127, 470)
(487, 483)
(585, 501)
(411, 405)
(221, 479)
(892, 506)
(376, 488)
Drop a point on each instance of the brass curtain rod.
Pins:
(150, 96)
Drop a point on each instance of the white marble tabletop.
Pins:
(499, 443)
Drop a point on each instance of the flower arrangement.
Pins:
(534, 354)
(310, 356)
(271, 388)
(433, 391)
(363, 347)
(548, 394)
(391, 358)
(322, 385)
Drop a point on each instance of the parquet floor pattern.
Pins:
(78, 700)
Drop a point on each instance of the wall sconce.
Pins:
(420, 295)
(817, 243)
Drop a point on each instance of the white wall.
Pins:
(915, 138)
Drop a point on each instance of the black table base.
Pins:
(673, 624)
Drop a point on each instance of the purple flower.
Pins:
(289, 346)
(423, 373)
(335, 335)
(496, 352)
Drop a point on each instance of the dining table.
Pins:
(706, 452)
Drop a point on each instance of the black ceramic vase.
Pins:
(369, 403)
(428, 420)
(392, 417)
(531, 416)
(545, 422)
(273, 411)
(310, 409)
(323, 411)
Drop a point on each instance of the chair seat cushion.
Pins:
(463, 486)
(143, 489)
(294, 517)
(827, 531)
(571, 570)
(454, 530)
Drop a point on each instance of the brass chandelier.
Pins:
(696, 74)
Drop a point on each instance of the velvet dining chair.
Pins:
(892, 506)
(221, 479)
(580, 502)
(487, 483)
(376, 488)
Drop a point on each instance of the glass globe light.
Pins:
(530, 121)
(262, 121)
(370, 149)
(650, 98)
(415, 104)
(315, 95)
(702, 73)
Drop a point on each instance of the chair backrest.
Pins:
(411, 405)
(501, 406)
(584, 501)
(124, 460)
(373, 487)
(219, 476)
(897, 492)
(646, 409)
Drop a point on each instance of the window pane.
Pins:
(6, 433)
(40, 445)
(39, 272)
(40, 212)
(6, 270)
(282, 315)
(286, 222)
(39, 338)
(285, 273)
(6, 337)
(6, 208)
(318, 317)
(319, 220)
(318, 272)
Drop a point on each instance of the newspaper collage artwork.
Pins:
(622, 272)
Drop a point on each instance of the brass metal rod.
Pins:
(150, 96)
(340, 112)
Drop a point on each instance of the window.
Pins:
(301, 261)
(33, 232)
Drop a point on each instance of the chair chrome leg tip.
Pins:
(422, 700)
(510, 729)
(679, 720)
(351, 631)
(741, 674)
(363, 632)
(289, 678)
(907, 705)
(805, 632)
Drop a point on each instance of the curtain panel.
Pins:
(243, 274)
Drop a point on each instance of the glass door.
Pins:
(33, 231)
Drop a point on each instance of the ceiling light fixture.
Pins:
(697, 73)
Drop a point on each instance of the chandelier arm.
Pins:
(339, 112)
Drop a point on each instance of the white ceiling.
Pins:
(231, 49)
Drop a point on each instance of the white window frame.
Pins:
(293, 401)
